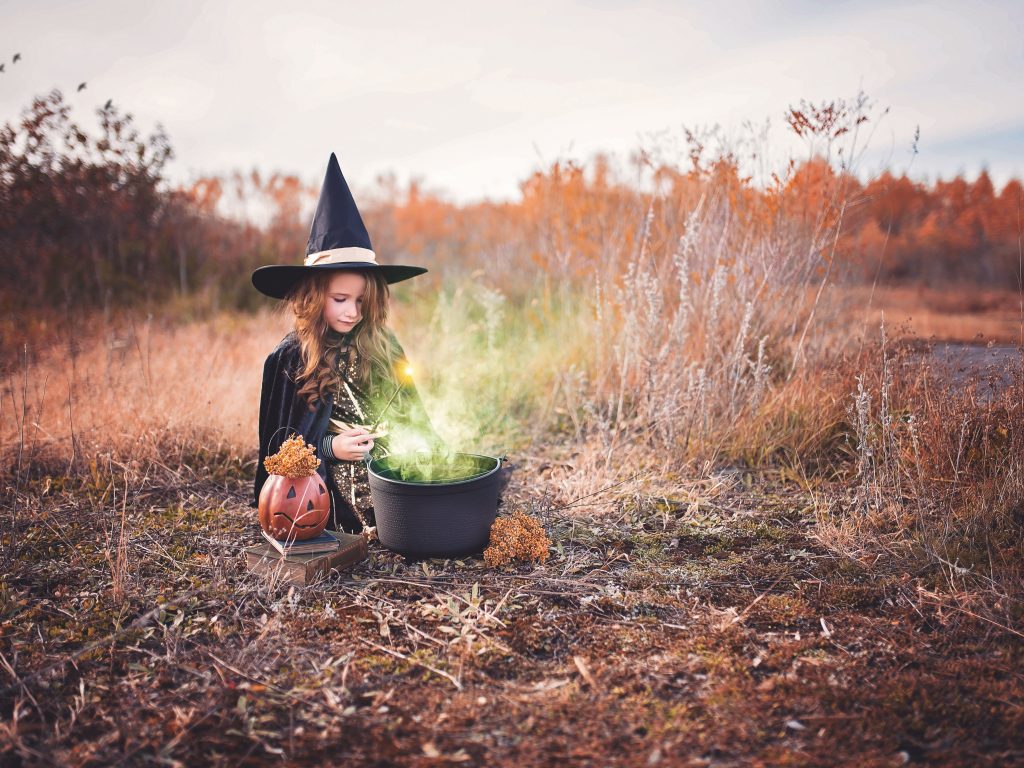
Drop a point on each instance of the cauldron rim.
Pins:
(476, 478)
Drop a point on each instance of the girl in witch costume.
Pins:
(340, 377)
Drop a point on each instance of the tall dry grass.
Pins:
(937, 464)
(560, 377)
(139, 394)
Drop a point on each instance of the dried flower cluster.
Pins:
(295, 458)
(517, 537)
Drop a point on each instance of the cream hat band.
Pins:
(340, 255)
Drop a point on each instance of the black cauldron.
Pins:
(443, 513)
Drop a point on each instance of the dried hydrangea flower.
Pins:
(516, 537)
(295, 458)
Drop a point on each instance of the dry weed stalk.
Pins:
(938, 467)
(117, 555)
(709, 313)
(688, 366)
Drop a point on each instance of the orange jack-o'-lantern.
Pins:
(294, 508)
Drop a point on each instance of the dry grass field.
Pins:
(970, 315)
(811, 583)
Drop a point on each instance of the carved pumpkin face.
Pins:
(294, 507)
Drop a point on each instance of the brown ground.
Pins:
(964, 314)
(709, 631)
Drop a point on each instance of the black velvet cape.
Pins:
(284, 413)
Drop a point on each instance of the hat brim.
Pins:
(276, 280)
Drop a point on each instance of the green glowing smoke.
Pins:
(488, 366)
(423, 467)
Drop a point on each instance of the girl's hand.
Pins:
(353, 444)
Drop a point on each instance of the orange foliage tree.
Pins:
(91, 220)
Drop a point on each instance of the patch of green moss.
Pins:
(640, 578)
(849, 596)
(648, 548)
(766, 532)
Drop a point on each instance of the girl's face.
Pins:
(343, 301)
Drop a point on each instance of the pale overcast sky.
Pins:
(473, 96)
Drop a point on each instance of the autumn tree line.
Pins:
(88, 219)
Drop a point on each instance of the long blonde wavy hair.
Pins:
(321, 346)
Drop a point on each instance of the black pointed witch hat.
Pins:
(337, 240)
